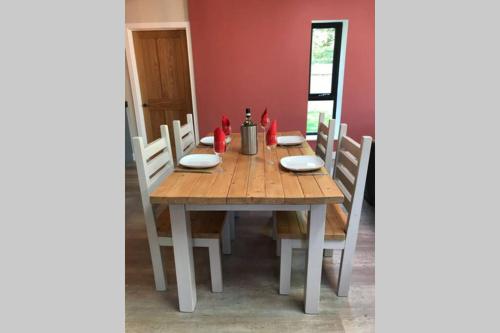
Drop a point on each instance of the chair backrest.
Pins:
(154, 162)
(184, 136)
(351, 165)
(324, 141)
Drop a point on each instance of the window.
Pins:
(326, 40)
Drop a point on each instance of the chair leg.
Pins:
(215, 266)
(231, 223)
(155, 250)
(285, 266)
(278, 247)
(226, 238)
(275, 226)
(158, 270)
(327, 253)
(345, 272)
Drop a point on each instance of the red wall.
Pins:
(256, 53)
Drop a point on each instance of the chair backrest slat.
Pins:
(347, 174)
(341, 176)
(185, 137)
(323, 130)
(321, 151)
(345, 192)
(154, 147)
(187, 142)
(185, 129)
(347, 161)
(158, 162)
(351, 146)
(157, 178)
(324, 141)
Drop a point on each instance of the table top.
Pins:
(249, 179)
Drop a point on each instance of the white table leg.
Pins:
(183, 255)
(316, 236)
(285, 266)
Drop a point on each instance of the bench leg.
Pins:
(215, 265)
(285, 266)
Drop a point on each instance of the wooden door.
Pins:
(163, 68)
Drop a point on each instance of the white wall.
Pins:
(150, 11)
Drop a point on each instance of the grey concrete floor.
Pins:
(250, 301)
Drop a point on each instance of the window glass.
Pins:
(323, 40)
(313, 110)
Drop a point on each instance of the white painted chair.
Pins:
(185, 142)
(324, 149)
(341, 225)
(154, 162)
(184, 136)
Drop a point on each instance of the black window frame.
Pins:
(332, 95)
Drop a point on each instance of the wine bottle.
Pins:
(248, 115)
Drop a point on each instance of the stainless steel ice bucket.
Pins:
(249, 144)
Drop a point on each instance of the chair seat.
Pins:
(203, 224)
(293, 225)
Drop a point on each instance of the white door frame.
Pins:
(134, 77)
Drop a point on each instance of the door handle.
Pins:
(145, 105)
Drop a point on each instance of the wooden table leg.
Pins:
(316, 236)
(183, 254)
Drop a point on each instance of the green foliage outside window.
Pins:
(322, 48)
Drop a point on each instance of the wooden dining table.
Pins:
(247, 183)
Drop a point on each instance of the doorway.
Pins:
(161, 76)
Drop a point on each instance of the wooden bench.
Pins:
(293, 225)
(203, 224)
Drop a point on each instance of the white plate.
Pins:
(290, 140)
(302, 163)
(209, 140)
(199, 161)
